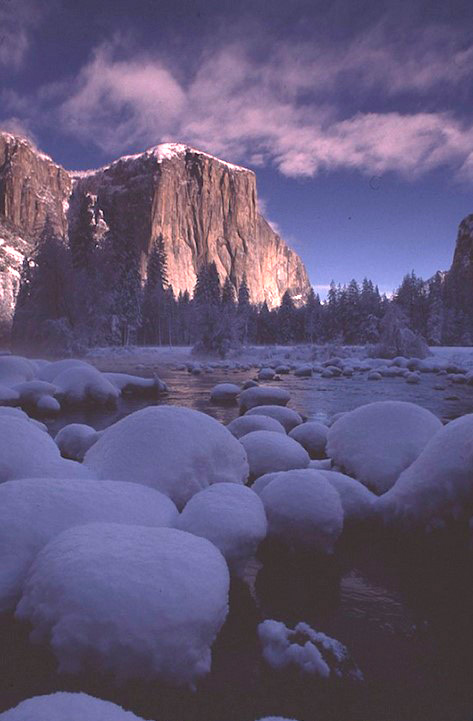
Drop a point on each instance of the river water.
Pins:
(405, 613)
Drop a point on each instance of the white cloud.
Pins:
(17, 19)
(283, 109)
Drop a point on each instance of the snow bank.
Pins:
(62, 706)
(286, 416)
(303, 510)
(75, 440)
(258, 396)
(78, 385)
(178, 451)
(438, 486)
(268, 451)
(33, 511)
(377, 441)
(231, 516)
(239, 427)
(27, 452)
(311, 651)
(225, 393)
(128, 600)
(312, 436)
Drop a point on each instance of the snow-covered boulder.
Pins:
(27, 452)
(178, 451)
(266, 374)
(8, 396)
(286, 416)
(225, 393)
(239, 427)
(50, 371)
(357, 501)
(75, 440)
(15, 369)
(33, 511)
(135, 385)
(268, 451)
(63, 706)
(438, 487)
(376, 442)
(374, 376)
(303, 371)
(310, 651)
(128, 600)
(303, 510)
(258, 396)
(39, 395)
(85, 385)
(313, 436)
(18, 413)
(231, 516)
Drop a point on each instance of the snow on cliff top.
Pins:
(164, 151)
(10, 137)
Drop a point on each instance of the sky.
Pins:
(357, 117)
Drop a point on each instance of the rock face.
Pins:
(31, 187)
(204, 208)
(459, 279)
(463, 257)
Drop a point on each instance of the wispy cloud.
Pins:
(295, 108)
(17, 20)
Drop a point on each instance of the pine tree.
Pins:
(81, 237)
(155, 304)
(286, 319)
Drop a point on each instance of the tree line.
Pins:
(79, 293)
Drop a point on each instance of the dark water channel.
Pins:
(405, 612)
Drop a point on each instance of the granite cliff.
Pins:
(204, 208)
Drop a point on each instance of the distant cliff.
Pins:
(205, 209)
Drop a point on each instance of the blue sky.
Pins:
(357, 117)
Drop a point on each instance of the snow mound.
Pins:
(39, 395)
(75, 440)
(178, 451)
(376, 442)
(26, 451)
(225, 393)
(357, 501)
(257, 396)
(62, 706)
(239, 427)
(231, 516)
(128, 600)
(438, 486)
(312, 436)
(14, 369)
(18, 413)
(85, 385)
(303, 510)
(50, 371)
(308, 650)
(268, 451)
(286, 416)
(135, 385)
(33, 511)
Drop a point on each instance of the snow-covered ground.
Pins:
(171, 547)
